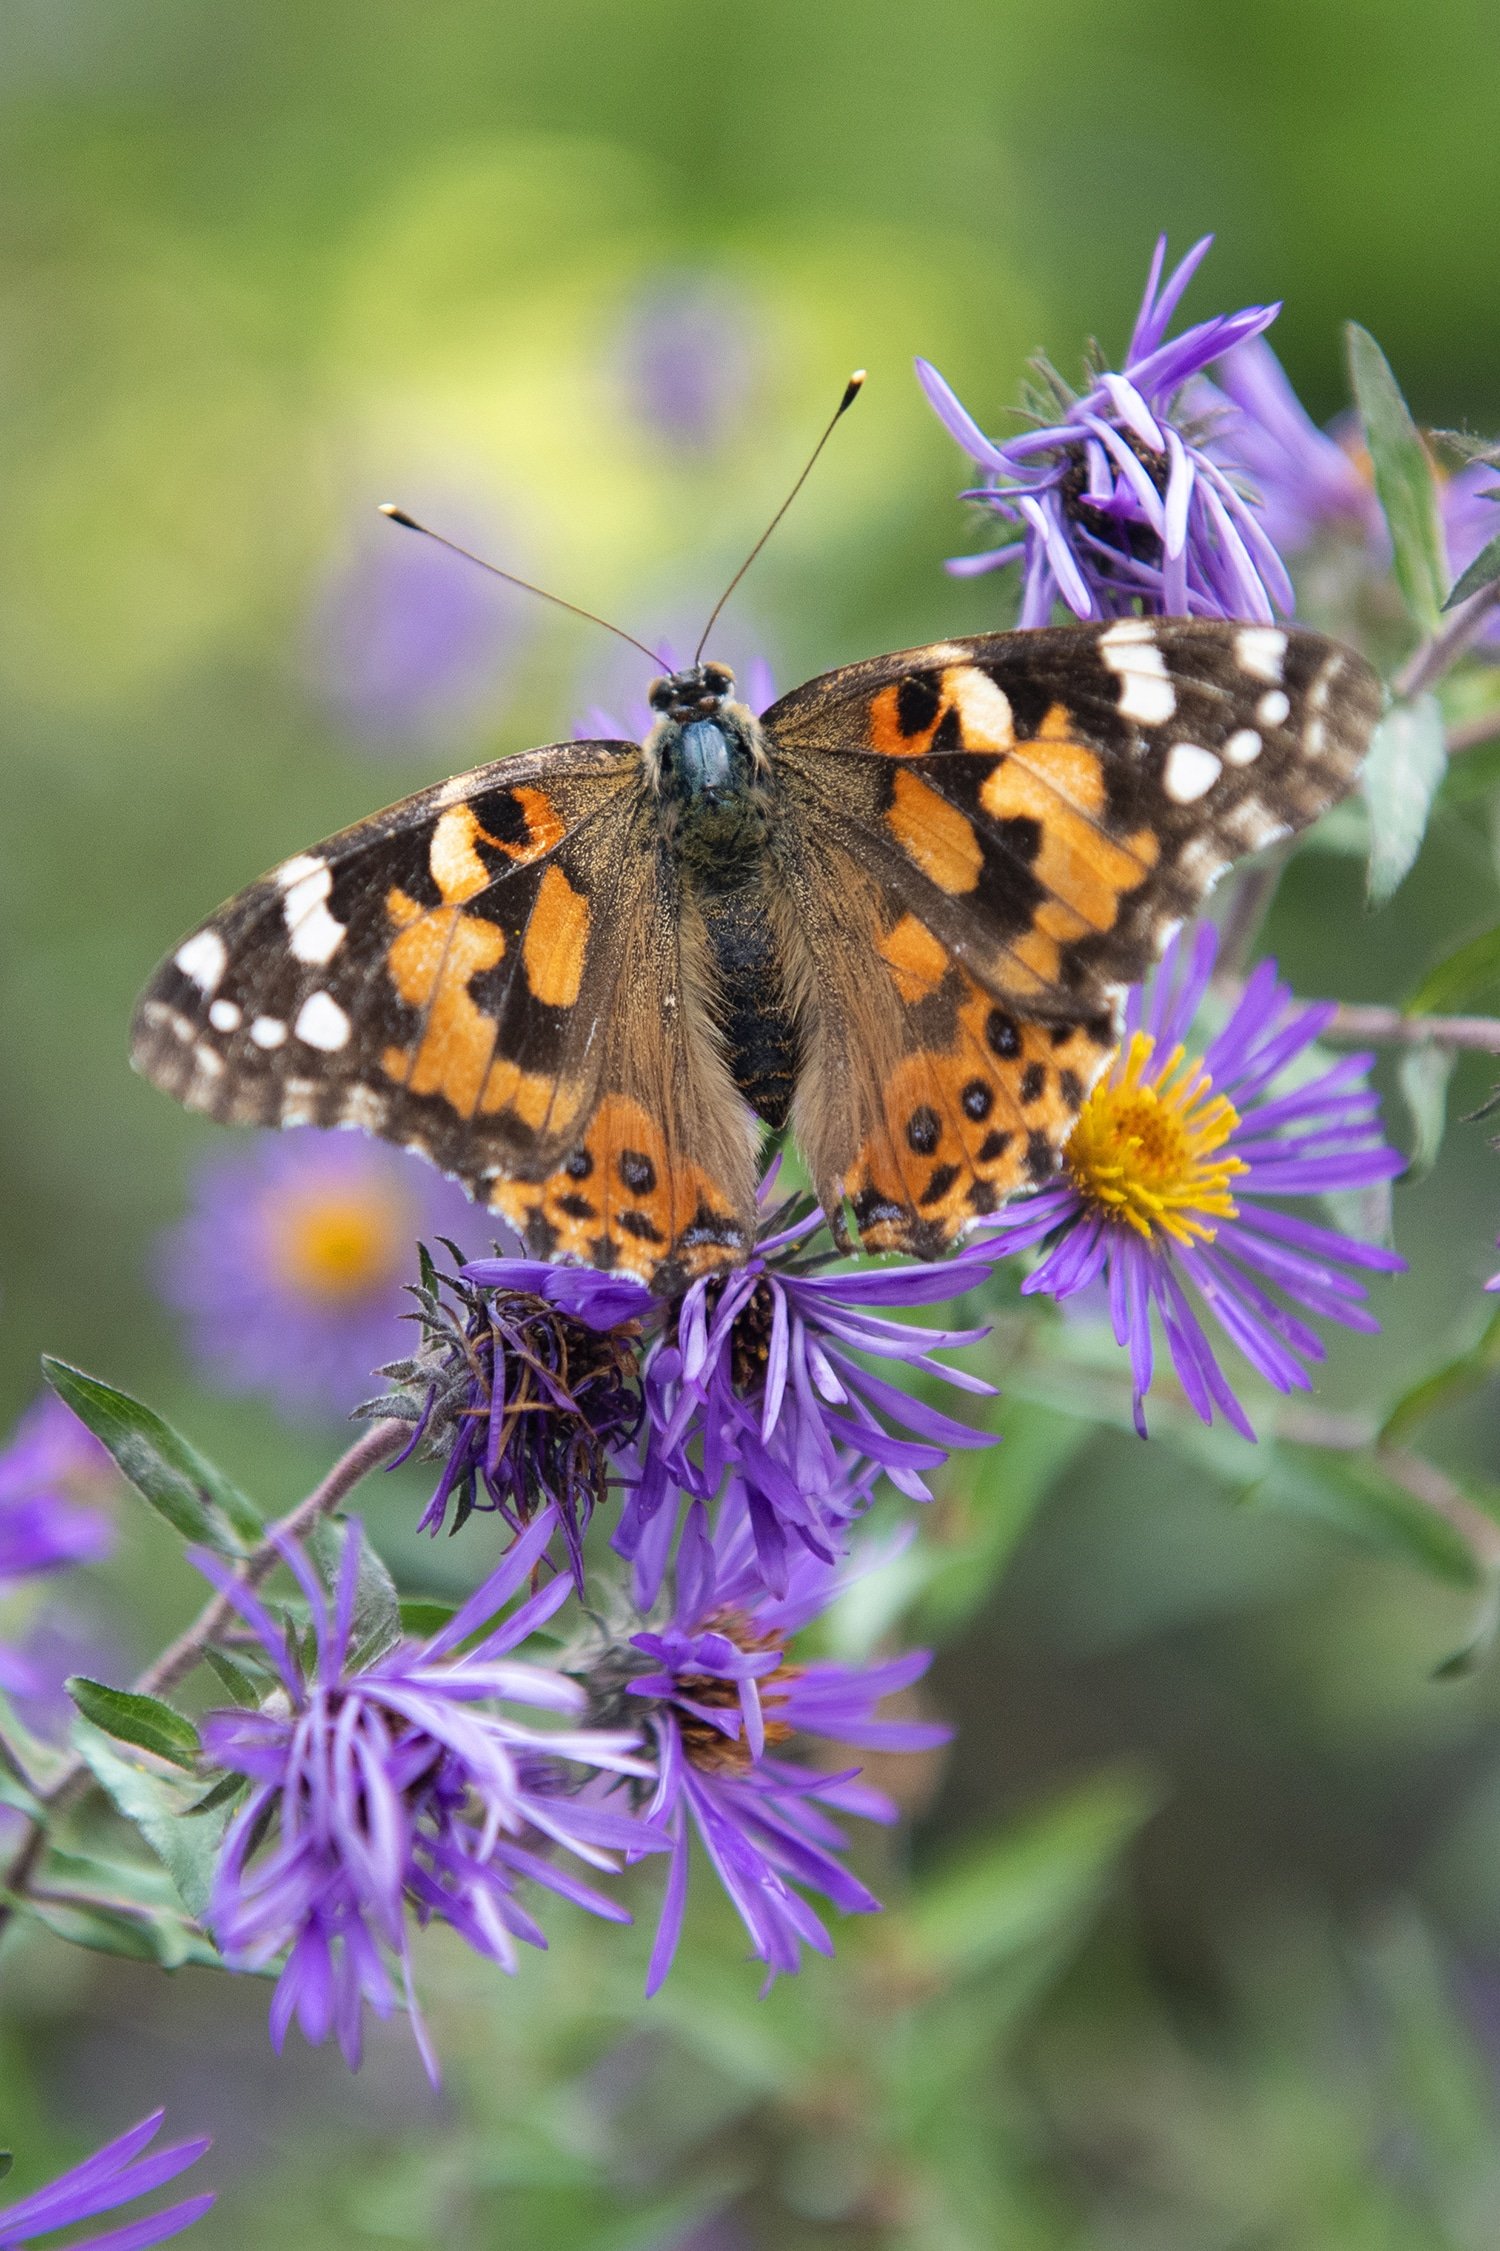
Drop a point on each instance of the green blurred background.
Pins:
(1228, 1969)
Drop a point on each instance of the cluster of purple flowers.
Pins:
(732, 1438)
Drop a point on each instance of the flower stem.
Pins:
(378, 1444)
(1426, 666)
(1358, 1022)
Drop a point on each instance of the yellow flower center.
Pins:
(1142, 1149)
(336, 1245)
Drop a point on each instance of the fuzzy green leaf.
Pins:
(1467, 1372)
(197, 1500)
(143, 1720)
(1469, 969)
(243, 1689)
(1404, 480)
(1408, 758)
(1483, 571)
(156, 1805)
(422, 1618)
(1423, 1074)
(1352, 1495)
(6, 2162)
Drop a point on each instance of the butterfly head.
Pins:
(706, 756)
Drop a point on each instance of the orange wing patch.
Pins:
(905, 717)
(432, 958)
(966, 1125)
(935, 834)
(621, 1199)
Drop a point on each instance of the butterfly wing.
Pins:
(493, 973)
(1013, 825)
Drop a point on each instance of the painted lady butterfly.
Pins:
(896, 913)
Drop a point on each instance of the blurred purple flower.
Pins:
(408, 639)
(688, 358)
(398, 1786)
(115, 2175)
(1120, 497)
(521, 1387)
(290, 1265)
(1314, 484)
(1167, 1174)
(717, 1692)
(53, 1473)
(764, 1372)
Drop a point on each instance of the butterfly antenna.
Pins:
(852, 390)
(399, 516)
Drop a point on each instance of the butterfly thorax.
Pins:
(707, 763)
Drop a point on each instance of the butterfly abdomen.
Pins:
(751, 1010)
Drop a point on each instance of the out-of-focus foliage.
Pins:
(1195, 1939)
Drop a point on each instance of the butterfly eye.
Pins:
(718, 678)
(660, 695)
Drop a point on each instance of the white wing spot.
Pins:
(1316, 738)
(1255, 826)
(364, 1106)
(299, 1101)
(1146, 694)
(1273, 708)
(203, 957)
(312, 932)
(296, 870)
(206, 1060)
(983, 709)
(224, 1015)
(1243, 747)
(268, 1032)
(322, 1023)
(1201, 861)
(1190, 773)
(1260, 650)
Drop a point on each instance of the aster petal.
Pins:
(956, 418)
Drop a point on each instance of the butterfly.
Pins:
(895, 913)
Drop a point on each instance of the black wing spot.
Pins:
(917, 701)
(576, 1207)
(924, 1130)
(994, 1146)
(1003, 1034)
(637, 1172)
(943, 1177)
(1070, 1087)
(636, 1223)
(1020, 836)
(1033, 1084)
(978, 1099)
(579, 1165)
(1060, 1034)
(1041, 1158)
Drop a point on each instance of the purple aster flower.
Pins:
(290, 1265)
(1119, 497)
(1314, 484)
(118, 2174)
(401, 1787)
(409, 639)
(53, 1475)
(720, 1699)
(1174, 1174)
(521, 1388)
(764, 1372)
(688, 358)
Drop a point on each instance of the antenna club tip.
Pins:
(852, 390)
(397, 515)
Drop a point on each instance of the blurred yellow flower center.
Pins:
(336, 1246)
(1143, 1150)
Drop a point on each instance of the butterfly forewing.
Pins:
(1034, 814)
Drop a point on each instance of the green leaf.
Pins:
(197, 1500)
(143, 1720)
(156, 1805)
(1032, 1884)
(1423, 1074)
(102, 1930)
(1468, 1372)
(6, 2162)
(1483, 571)
(377, 1606)
(1469, 969)
(244, 1689)
(1404, 479)
(422, 1618)
(1408, 758)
